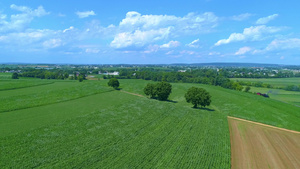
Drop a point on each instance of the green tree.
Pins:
(163, 90)
(113, 82)
(66, 75)
(15, 76)
(150, 90)
(80, 78)
(247, 89)
(198, 96)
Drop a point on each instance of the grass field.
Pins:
(88, 125)
(275, 82)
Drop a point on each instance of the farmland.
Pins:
(275, 82)
(112, 129)
(261, 146)
(59, 123)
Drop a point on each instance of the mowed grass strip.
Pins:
(60, 91)
(135, 132)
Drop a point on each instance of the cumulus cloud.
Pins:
(135, 23)
(171, 44)
(241, 17)
(138, 38)
(18, 22)
(254, 33)
(243, 50)
(85, 14)
(265, 20)
(194, 44)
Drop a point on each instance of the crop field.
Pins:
(48, 93)
(112, 129)
(292, 97)
(89, 125)
(275, 82)
(259, 146)
(5, 76)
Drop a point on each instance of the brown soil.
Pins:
(254, 145)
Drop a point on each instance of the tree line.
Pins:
(202, 76)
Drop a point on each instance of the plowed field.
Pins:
(256, 145)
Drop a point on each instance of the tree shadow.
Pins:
(171, 101)
(203, 108)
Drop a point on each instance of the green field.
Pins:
(291, 97)
(67, 124)
(275, 82)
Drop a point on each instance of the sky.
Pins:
(149, 32)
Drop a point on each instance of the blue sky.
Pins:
(149, 32)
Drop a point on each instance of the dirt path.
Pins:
(132, 93)
(255, 145)
(292, 131)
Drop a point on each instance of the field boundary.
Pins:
(57, 102)
(22, 87)
(266, 125)
(132, 93)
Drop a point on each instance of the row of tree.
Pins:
(202, 76)
(162, 91)
(194, 95)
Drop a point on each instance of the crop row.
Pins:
(138, 134)
(48, 94)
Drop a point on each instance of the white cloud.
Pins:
(241, 17)
(151, 27)
(68, 29)
(187, 52)
(254, 33)
(85, 14)
(282, 57)
(194, 44)
(92, 51)
(265, 20)
(138, 38)
(243, 50)
(293, 43)
(52, 43)
(151, 49)
(18, 22)
(190, 22)
(171, 44)
(213, 53)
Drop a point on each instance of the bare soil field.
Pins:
(255, 145)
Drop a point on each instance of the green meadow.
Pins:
(68, 124)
